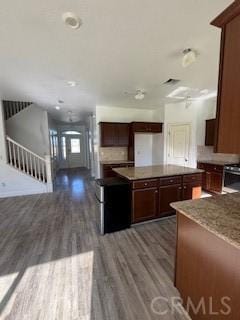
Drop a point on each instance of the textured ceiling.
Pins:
(122, 46)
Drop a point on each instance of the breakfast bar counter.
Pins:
(208, 255)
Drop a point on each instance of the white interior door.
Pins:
(178, 144)
(75, 153)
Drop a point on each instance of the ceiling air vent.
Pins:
(171, 81)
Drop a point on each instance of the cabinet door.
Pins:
(167, 195)
(192, 191)
(122, 130)
(216, 181)
(108, 134)
(210, 132)
(144, 204)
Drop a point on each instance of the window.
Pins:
(71, 132)
(63, 145)
(75, 145)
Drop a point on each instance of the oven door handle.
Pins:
(232, 172)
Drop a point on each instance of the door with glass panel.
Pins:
(73, 149)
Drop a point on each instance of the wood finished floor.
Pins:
(55, 265)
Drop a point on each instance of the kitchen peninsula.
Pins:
(155, 187)
(208, 255)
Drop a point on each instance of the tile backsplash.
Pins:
(115, 153)
(206, 153)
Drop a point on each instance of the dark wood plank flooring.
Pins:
(55, 265)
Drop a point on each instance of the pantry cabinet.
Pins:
(228, 111)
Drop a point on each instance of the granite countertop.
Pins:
(216, 162)
(138, 173)
(115, 161)
(219, 215)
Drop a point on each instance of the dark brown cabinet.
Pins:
(145, 204)
(167, 195)
(114, 134)
(228, 111)
(210, 132)
(146, 127)
(151, 198)
(212, 177)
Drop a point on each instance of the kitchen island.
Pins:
(208, 256)
(155, 187)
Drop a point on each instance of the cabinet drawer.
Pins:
(213, 167)
(192, 177)
(170, 181)
(142, 184)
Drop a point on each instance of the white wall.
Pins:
(15, 183)
(30, 128)
(158, 139)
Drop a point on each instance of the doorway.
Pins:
(178, 145)
(73, 149)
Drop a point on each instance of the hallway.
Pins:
(55, 265)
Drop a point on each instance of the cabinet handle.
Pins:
(156, 191)
(185, 187)
(171, 181)
(145, 184)
(180, 188)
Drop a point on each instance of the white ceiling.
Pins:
(122, 46)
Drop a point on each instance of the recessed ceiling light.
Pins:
(72, 83)
(72, 20)
(57, 108)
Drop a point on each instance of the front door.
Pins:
(178, 144)
(75, 151)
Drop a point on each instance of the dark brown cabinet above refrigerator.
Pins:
(228, 104)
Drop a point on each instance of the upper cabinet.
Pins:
(228, 105)
(114, 134)
(146, 127)
(210, 132)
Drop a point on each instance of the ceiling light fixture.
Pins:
(71, 20)
(207, 96)
(57, 108)
(189, 57)
(140, 95)
(177, 93)
(72, 83)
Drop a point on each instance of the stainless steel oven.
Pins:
(232, 178)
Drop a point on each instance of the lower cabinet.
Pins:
(191, 190)
(212, 177)
(144, 204)
(167, 195)
(151, 198)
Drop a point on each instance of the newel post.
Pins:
(49, 173)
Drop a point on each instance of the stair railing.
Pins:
(28, 162)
